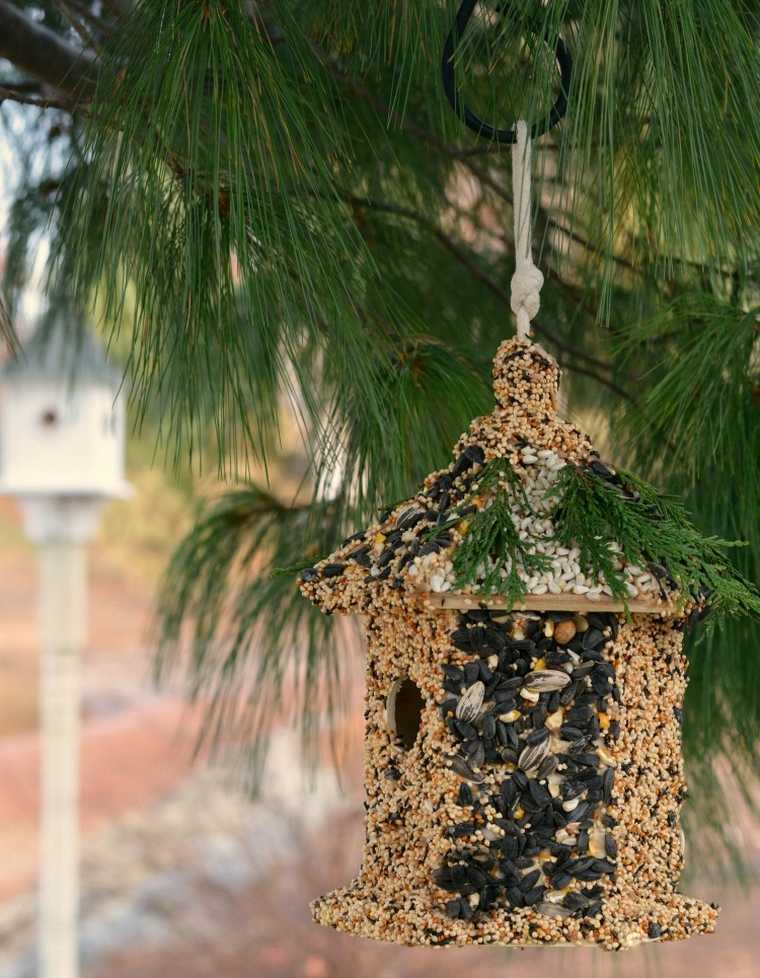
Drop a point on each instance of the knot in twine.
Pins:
(525, 298)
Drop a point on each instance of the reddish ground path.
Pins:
(128, 761)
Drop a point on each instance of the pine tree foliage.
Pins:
(272, 202)
(224, 575)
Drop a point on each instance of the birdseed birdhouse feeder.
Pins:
(525, 680)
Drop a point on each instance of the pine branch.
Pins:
(15, 94)
(7, 332)
(478, 273)
(44, 55)
(252, 651)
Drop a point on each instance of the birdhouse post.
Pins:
(524, 615)
(62, 458)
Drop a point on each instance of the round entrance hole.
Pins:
(404, 708)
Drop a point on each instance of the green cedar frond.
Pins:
(492, 552)
(251, 649)
(652, 530)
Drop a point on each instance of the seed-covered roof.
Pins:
(513, 519)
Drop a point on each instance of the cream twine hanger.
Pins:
(525, 297)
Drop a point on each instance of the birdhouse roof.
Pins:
(56, 351)
(524, 516)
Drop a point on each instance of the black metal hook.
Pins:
(467, 115)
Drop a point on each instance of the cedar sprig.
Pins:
(653, 531)
(492, 544)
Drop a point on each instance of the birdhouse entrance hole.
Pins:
(405, 705)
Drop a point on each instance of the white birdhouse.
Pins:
(61, 420)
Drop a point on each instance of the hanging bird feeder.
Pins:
(523, 748)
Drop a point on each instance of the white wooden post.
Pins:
(62, 616)
(60, 526)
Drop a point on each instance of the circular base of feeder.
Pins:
(406, 918)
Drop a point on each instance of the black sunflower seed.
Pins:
(462, 768)
(586, 760)
(537, 736)
(534, 896)
(445, 879)
(516, 896)
(581, 671)
(604, 866)
(600, 469)
(453, 909)
(465, 730)
(654, 931)
(608, 779)
(465, 796)
(462, 464)
(333, 570)
(460, 829)
(448, 706)
(575, 901)
(547, 766)
(471, 672)
(453, 672)
(578, 716)
(529, 880)
(593, 638)
(521, 644)
(571, 789)
(508, 792)
(476, 753)
(489, 727)
(476, 876)
(539, 794)
(466, 639)
(559, 818)
(569, 732)
(578, 813)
